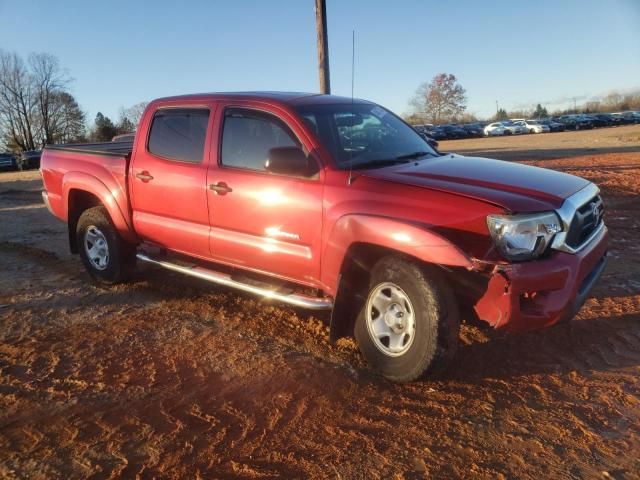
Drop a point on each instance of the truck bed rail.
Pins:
(115, 149)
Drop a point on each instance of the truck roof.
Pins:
(290, 98)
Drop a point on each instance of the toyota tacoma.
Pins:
(332, 203)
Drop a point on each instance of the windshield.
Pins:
(364, 135)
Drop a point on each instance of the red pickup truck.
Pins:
(326, 202)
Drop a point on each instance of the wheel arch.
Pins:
(80, 192)
(357, 242)
(78, 201)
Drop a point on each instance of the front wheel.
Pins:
(106, 256)
(410, 322)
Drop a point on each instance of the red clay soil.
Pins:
(167, 377)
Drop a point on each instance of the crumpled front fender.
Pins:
(411, 239)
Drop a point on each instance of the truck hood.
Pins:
(513, 186)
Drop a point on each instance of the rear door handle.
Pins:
(220, 188)
(144, 176)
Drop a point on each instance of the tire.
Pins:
(432, 310)
(532, 131)
(114, 258)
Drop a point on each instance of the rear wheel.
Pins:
(409, 324)
(105, 255)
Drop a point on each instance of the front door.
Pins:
(260, 220)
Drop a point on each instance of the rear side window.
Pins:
(248, 136)
(179, 134)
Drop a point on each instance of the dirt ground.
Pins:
(168, 377)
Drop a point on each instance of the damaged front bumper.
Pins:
(529, 295)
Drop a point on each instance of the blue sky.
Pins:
(518, 53)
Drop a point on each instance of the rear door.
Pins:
(259, 220)
(168, 179)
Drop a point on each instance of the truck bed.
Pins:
(116, 149)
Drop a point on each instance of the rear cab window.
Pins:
(179, 134)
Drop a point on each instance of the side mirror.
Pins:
(290, 161)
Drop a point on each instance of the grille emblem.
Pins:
(595, 211)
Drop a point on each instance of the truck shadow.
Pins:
(580, 345)
(605, 343)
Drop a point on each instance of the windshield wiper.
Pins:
(413, 155)
(379, 163)
(391, 161)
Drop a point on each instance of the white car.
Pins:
(533, 126)
(513, 127)
(494, 129)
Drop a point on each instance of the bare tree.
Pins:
(442, 99)
(132, 114)
(35, 106)
(48, 80)
(18, 105)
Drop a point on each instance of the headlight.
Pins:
(523, 237)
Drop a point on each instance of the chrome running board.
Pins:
(299, 300)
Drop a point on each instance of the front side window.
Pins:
(179, 134)
(363, 135)
(249, 135)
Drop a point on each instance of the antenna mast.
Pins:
(353, 64)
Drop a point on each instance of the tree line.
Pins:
(38, 109)
(444, 100)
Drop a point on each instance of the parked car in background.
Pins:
(454, 132)
(473, 129)
(596, 121)
(574, 122)
(620, 119)
(496, 129)
(616, 120)
(513, 128)
(29, 160)
(437, 132)
(124, 137)
(568, 121)
(553, 125)
(603, 119)
(533, 126)
(631, 117)
(8, 161)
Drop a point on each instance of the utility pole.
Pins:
(323, 46)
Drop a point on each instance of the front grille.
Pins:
(587, 218)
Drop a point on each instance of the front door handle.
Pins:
(220, 188)
(144, 176)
